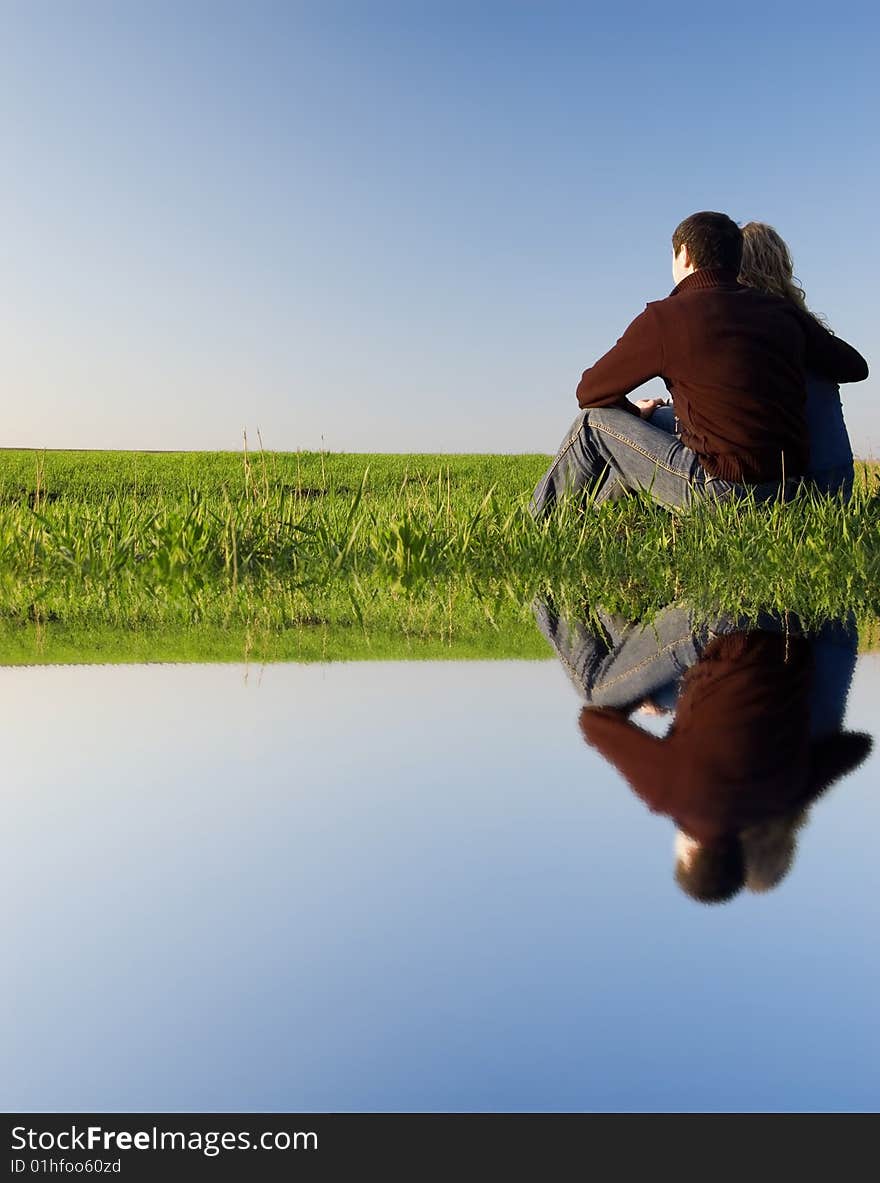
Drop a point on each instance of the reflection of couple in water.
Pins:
(752, 373)
(757, 733)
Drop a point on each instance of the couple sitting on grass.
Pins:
(753, 376)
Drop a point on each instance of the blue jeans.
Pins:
(608, 452)
(664, 418)
(831, 457)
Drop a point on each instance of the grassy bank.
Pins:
(175, 538)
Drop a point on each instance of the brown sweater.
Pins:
(734, 360)
(740, 750)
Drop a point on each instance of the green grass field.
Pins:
(277, 541)
(89, 475)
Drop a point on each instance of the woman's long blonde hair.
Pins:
(767, 265)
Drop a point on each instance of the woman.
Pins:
(767, 265)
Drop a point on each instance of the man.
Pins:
(733, 358)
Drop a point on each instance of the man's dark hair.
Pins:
(716, 871)
(712, 240)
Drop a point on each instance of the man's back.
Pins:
(734, 360)
(734, 363)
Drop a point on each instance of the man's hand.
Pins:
(647, 406)
(647, 706)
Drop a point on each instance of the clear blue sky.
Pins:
(399, 227)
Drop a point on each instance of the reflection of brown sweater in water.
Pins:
(740, 750)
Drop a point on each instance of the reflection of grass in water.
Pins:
(277, 622)
(61, 644)
(869, 635)
(137, 538)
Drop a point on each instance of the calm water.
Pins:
(402, 886)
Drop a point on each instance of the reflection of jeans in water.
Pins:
(835, 650)
(613, 663)
(608, 452)
(831, 457)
